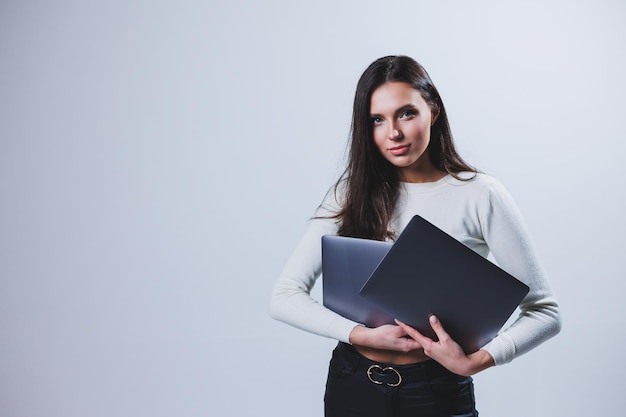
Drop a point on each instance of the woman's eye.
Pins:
(408, 113)
(377, 120)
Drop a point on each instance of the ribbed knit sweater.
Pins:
(478, 212)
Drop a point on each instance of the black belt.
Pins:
(389, 374)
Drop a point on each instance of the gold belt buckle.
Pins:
(382, 370)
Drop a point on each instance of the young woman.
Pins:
(403, 162)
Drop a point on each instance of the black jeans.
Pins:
(359, 387)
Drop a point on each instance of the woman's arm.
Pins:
(292, 303)
(291, 300)
(507, 237)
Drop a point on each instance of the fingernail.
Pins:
(433, 319)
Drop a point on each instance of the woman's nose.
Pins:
(395, 134)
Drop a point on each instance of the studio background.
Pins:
(159, 160)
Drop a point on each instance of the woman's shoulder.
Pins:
(334, 199)
(479, 185)
(473, 179)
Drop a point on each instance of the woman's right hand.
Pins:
(385, 337)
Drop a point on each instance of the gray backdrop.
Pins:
(159, 159)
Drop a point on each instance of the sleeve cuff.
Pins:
(501, 348)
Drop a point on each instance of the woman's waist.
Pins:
(392, 357)
(385, 373)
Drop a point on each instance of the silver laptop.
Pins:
(347, 263)
(427, 272)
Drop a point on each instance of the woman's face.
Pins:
(402, 121)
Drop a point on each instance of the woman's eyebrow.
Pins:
(405, 108)
(398, 110)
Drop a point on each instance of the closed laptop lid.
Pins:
(346, 264)
(429, 272)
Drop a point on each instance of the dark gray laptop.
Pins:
(346, 264)
(429, 272)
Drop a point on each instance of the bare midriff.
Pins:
(393, 357)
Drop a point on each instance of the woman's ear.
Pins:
(434, 114)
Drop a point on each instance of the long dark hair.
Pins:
(371, 182)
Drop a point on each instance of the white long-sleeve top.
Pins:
(479, 213)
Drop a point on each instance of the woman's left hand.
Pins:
(447, 352)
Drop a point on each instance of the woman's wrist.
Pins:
(479, 361)
(357, 334)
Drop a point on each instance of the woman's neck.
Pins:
(415, 176)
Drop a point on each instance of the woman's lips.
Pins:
(399, 150)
